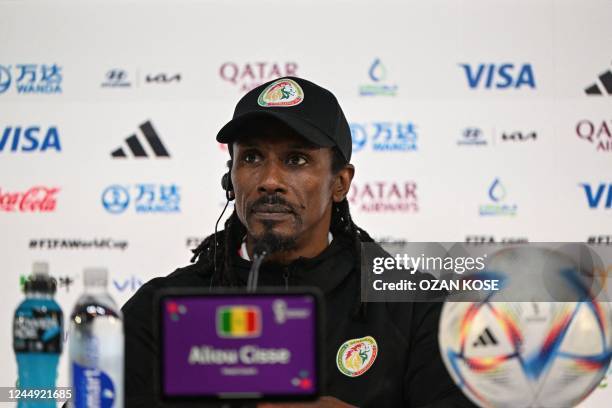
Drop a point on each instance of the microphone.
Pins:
(259, 253)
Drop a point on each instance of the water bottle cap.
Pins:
(95, 277)
(40, 268)
(39, 280)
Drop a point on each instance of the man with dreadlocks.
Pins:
(289, 173)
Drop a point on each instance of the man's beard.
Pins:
(273, 241)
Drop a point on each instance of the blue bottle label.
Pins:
(37, 330)
(93, 388)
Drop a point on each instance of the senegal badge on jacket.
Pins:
(356, 356)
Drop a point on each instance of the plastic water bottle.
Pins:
(96, 346)
(37, 337)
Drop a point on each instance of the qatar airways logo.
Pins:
(385, 196)
(36, 199)
(249, 75)
(596, 132)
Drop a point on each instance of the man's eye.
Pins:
(297, 160)
(250, 157)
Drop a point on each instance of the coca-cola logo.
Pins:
(385, 196)
(36, 199)
(252, 74)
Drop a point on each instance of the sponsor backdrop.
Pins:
(471, 120)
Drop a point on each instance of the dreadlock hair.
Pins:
(230, 238)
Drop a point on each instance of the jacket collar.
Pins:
(325, 271)
(242, 251)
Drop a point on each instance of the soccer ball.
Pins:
(528, 354)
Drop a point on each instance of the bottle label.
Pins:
(93, 388)
(38, 330)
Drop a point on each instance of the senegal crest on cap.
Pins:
(281, 93)
(356, 356)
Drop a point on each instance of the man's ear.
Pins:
(342, 183)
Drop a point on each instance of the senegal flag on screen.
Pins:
(238, 321)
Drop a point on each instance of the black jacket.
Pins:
(408, 370)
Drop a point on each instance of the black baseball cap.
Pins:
(310, 110)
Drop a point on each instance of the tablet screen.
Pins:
(239, 346)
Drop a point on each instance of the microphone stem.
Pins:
(254, 272)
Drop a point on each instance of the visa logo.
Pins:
(130, 284)
(29, 139)
(500, 76)
(595, 195)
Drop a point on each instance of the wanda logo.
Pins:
(36, 199)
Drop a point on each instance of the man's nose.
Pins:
(272, 179)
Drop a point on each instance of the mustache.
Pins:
(271, 203)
